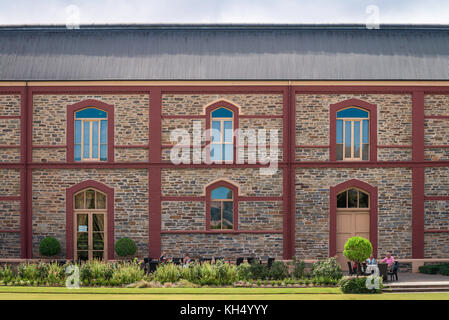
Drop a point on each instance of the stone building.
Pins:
(87, 117)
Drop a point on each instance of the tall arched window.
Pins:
(222, 209)
(222, 135)
(222, 206)
(91, 224)
(91, 135)
(352, 136)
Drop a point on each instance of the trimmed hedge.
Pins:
(359, 285)
(125, 247)
(435, 268)
(49, 247)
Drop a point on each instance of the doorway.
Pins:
(90, 220)
(353, 219)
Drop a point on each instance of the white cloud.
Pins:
(230, 11)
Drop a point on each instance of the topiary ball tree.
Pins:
(49, 247)
(357, 249)
(125, 247)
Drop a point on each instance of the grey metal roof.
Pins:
(224, 52)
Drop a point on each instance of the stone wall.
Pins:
(394, 208)
(223, 245)
(394, 120)
(10, 245)
(130, 203)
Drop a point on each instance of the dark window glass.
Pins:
(215, 215)
(341, 200)
(363, 200)
(352, 198)
(228, 215)
(339, 151)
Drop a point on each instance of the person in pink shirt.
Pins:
(388, 259)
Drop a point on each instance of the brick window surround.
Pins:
(71, 109)
(334, 191)
(371, 108)
(235, 111)
(70, 193)
(235, 207)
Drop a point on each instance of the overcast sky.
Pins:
(223, 11)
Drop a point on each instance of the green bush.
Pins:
(124, 273)
(357, 249)
(125, 247)
(278, 271)
(444, 271)
(49, 247)
(244, 271)
(435, 268)
(327, 268)
(258, 271)
(299, 267)
(359, 285)
(167, 272)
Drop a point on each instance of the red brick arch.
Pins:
(371, 108)
(334, 191)
(71, 109)
(70, 193)
(235, 192)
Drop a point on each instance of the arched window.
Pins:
(222, 209)
(352, 198)
(222, 135)
(90, 223)
(352, 136)
(91, 135)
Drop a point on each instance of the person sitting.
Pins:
(389, 260)
(371, 260)
(354, 267)
(163, 257)
(186, 260)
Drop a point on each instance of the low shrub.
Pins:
(167, 272)
(435, 268)
(361, 285)
(125, 247)
(49, 247)
(444, 271)
(299, 268)
(258, 271)
(327, 268)
(278, 271)
(244, 271)
(125, 273)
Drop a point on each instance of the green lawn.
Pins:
(43, 293)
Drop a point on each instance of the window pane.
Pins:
(104, 152)
(98, 222)
(98, 255)
(221, 193)
(363, 200)
(339, 131)
(90, 199)
(86, 137)
(339, 151)
(79, 201)
(228, 215)
(352, 198)
(91, 113)
(365, 136)
(95, 145)
(104, 132)
(101, 201)
(82, 241)
(98, 240)
(356, 139)
(77, 131)
(228, 152)
(216, 131)
(341, 200)
(348, 139)
(352, 113)
(228, 131)
(215, 152)
(365, 152)
(222, 113)
(215, 215)
(77, 152)
(83, 255)
(82, 223)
